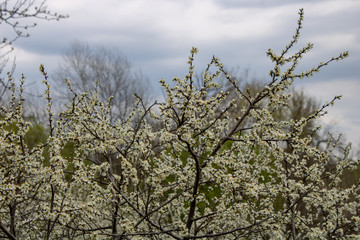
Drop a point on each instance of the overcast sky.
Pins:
(157, 35)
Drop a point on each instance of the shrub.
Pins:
(202, 175)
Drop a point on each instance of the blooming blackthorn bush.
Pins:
(203, 174)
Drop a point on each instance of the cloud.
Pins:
(332, 7)
(344, 114)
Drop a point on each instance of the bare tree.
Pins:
(104, 68)
(14, 20)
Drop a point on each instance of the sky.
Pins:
(157, 35)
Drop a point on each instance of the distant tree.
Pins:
(14, 19)
(103, 68)
(298, 104)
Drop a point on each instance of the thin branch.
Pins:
(6, 231)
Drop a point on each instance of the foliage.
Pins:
(204, 175)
